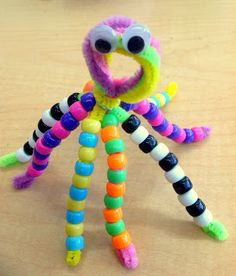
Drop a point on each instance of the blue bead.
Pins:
(78, 193)
(158, 104)
(152, 113)
(84, 169)
(127, 106)
(40, 156)
(50, 140)
(189, 136)
(163, 126)
(74, 217)
(167, 97)
(88, 101)
(75, 243)
(39, 167)
(88, 139)
(69, 122)
(175, 133)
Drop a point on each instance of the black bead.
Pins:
(131, 124)
(42, 127)
(35, 137)
(72, 98)
(182, 186)
(28, 149)
(168, 162)
(56, 112)
(135, 44)
(148, 144)
(196, 209)
(103, 46)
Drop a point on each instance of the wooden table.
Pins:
(41, 62)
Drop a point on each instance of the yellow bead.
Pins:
(172, 89)
(161, 98)
(87, 154)
(91, 125)
(80, 181)
(74, 230)
(73, 257)
(74, 205)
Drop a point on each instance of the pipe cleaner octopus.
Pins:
(105, 103)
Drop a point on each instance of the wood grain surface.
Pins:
(41, 62)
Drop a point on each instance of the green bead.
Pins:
(113, 202)
(115, 145)
(116, 176)
(109, 120)
(116, 228)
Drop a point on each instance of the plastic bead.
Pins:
(50, 140)
(35, 137)
(88, 101)
(78, 193)
(88, 86)
(109, 120)
(75, 217)
(31, 142)
(42, 149)
(42, 127)
(39, 167)
(22, 156)
(204, 219)
(78, 111)
(122, 240)
(168, 162)
(196, 209)
(152, 113)
(109, 133)
(115, 228)
(80, 181)
(159, 152)
(40, 156)
(115, 145)
(75, 243)
(148, 144)
(115, 189)
(64, 105)
(113, 202)
(73, 230)
(131, 124)
(87, 154)
(56, 112)
(28, 149)
(59, 131)
(139, 135)
(117, 161)
(91, 126)
(75, 205)
(69, 122)
(47, 118)
(84, 169)
(117, 176)
(88, 139)
(113, 215)
(183, 185)
(73, 98)
(189, 198)
(33, 172)
(142, 107)
(175, 174)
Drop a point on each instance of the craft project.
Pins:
(105, 103)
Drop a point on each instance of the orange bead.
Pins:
(116, 189)
(88, 86)
(112, 215)
(117, 161)
(122, 240)
(109, 132)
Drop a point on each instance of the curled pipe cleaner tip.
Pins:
(23, 181)
(8, 160)
(216, 230)
(207, 131)
(128, 256)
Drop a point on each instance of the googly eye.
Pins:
(103, 39)
(136, 38)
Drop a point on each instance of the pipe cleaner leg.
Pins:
(113, 200)
(174, 174)
(159, 123)
(79, 189)
(48, 120)
(52, 138)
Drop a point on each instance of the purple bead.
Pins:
(163, 126)
(189, 136)
(40, 156)
(39, 167)
(49, 140)
(88, 101)
(175, 133)
(127, 106)
(152, 113)
(69, 122)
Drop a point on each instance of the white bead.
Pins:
(21, 156)
(47, 118)
(188, 198)
(31, 142)
(139, 135)
(64, 105)
(175, 174)
(159, 152)
(38, 132)
(204, 219)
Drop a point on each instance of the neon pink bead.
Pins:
(59, 131)
(40, 162)
(33, 172)
(181, 136)
(41, 148)
(78, 111)
(143, 107)
(167, 131)
(157, 120)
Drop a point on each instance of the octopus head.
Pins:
(126, 37)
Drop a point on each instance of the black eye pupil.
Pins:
(103, 46)
(136, 44)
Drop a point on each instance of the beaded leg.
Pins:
(79, 189)
(160, 124)
(52, 138)
(113, 200)
(48, 120)
(175, 175)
